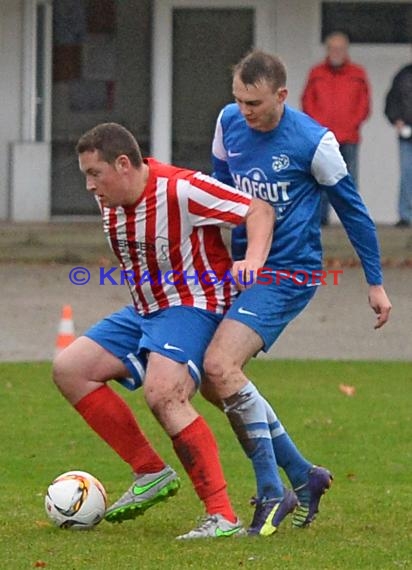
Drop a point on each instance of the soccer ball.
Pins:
(75, 500)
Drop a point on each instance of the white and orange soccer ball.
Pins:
(75, 500)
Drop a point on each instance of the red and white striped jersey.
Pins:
(170, 242)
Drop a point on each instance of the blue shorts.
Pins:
(181, 333)
(268, 309)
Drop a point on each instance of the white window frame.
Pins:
(162, 58)
(30, 99)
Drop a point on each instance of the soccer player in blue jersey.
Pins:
(278, 154)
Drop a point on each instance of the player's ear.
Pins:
(282, 94)
(122, 163)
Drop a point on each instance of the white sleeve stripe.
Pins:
(213, 202)
(200, 221)
(217, 184)
(218, 148)
(227, 210)
(201, 195)
(328, 166)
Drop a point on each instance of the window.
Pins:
(101, 72)
(369, 22)
(206, 44)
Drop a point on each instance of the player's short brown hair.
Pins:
(258, 65)
(111, 140)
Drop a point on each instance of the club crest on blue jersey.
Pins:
(280, 162)
(256, 174)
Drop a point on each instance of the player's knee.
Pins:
(152, 398)
(224, 376)
(216, 367)
(69, 375)
(162, 409)
(162, 397)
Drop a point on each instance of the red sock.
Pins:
(113, 421)
(197, 450)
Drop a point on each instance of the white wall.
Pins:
(297, 33)
(11, 19)
(30, 181)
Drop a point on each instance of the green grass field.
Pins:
(366, 440)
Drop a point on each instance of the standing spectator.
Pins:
(398, 110)
(337, 95)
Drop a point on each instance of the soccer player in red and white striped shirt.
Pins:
(164, 225)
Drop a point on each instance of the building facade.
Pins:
(162, 68)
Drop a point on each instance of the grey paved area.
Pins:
(338, 324)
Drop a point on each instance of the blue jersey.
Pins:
(287, 167)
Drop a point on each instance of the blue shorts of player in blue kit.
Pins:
(267, 308)
(181, 333)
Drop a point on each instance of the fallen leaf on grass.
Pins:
(41, 524)
(347, 390)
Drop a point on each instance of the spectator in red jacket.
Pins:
(337, 95)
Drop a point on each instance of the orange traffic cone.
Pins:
(65, 333)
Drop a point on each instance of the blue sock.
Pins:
(246, 411)
(288, 456)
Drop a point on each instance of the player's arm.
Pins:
(329, 169)
(260, 220)
(380, 303)
(212, 202)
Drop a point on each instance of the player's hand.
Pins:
(245, 273)
(379, 301)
